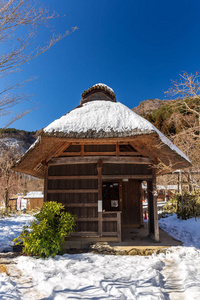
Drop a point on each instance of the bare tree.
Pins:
(7, 159)
(187, 90)
(187, 93)
(12, 183)
(186, 116)
(20, 21)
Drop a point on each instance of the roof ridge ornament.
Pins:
(99, 91)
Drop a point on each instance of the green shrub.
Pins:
(46, 235)
(169, 208)
(188, 205)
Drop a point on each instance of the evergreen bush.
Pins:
(46, 234)
(188, 205)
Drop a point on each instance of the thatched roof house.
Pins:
(99, 142)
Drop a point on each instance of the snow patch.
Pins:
(186, 231)
(34, 194)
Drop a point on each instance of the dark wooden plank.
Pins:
(109, 219)
(45, 183)
(71, 154)
(82, 150)
(127, 153)
(155, 209)
(109, 233)
(81, 204)
(119, 227)
(82, 177)
(112, 177)
(86, 219)
(117, 149)
(73, 191)
(95, 159)
(85, 233)
(82, 153)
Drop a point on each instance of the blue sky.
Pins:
(134, 46)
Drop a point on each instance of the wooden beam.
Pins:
(45, 182)
(84, 233)
(87, 219)
(114, 219)
(152, 208)
(54, 150)
(106, 140)
(119, 227)
(72, 153)
(156, 227)
(142, 149)
(139, 176)
(69, 177)
(106, 233)
(87, 153)
(95, 159)
(58, 150)
(78, 191)
(131, 153)
(80, 205)
(82, 150)
(117, 149)
(120, 153)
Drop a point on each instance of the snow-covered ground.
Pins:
(10, 228)
(174, 275)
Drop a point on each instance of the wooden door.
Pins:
(131, 203)
(110, 195)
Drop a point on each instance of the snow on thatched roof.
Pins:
(104, 119)
(100, 117)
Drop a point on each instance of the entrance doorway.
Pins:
(132, 203)
(110, 195)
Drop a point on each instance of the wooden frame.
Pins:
(104, 159)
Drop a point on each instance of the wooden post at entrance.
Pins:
(100, 202)
(45, 182)
(152, 208)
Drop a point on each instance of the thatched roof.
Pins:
(100, 117)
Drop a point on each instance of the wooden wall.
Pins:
(34, 203)
(79, 194)
(76, 187)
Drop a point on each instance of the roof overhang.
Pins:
(34, 160)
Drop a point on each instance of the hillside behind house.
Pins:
(148, 106)
(21, 140)
(170, 116)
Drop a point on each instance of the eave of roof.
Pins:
(46, 144)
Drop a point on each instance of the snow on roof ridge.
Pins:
(104, 85)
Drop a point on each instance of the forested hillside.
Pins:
(177, 119)
(20, 139)
(172, 116)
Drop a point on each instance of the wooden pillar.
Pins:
(141, 205)
(152, 208)
(100, 204)
(45, 182)
(155, 207)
